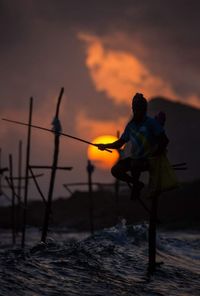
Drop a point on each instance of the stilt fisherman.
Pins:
(148, 139)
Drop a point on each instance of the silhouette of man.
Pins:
(148, 139)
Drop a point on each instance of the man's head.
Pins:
(139, 106)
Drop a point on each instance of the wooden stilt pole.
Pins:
(53, 173)
(27, 173)
(0, 174)
(13, 213)
(117, 184)
(90, 170)
(2, 170)
(19, 187)
(19, 169)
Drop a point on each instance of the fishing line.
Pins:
(49, 130)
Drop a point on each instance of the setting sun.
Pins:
(103, 159)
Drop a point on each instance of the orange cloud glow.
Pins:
(193, 101)
(91, 128)
(120, 74)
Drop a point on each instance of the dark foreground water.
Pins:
(113, 262)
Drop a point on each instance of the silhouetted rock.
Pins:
(183, 129)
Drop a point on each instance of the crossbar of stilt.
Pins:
(37, 186)
(50, 167)
(29, 177)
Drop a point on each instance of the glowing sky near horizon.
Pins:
(103, 159)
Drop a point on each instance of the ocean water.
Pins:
(112, 262)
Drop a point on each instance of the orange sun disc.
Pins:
(103, 159)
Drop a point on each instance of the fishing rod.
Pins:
(49, 130)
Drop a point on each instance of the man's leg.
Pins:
(120, 169)
(137, 166)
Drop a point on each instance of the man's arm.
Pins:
(115, 145)
(163, 141)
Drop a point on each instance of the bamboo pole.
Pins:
(117, 186)
(53, 172)
(49, 130)
(13, 213)
(90, 170)
(19, 168)
(19, 187)
(117, 212)
(10, 186)
(0, 174)
(2, 170)
(27, 173)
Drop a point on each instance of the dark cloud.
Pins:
(177, 19)
(169, 30)
(39, 46)
(173, 22)
(15, 23)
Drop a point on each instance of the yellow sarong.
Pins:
(161, 174)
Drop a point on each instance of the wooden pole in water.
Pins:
(152, 234)
(27, 172)
(117, 200)
(2, 170)
(53, 172)
(117, 185)
(19, 169)
(13, 213)
(19, 187)
(90, 170)
(0, 174)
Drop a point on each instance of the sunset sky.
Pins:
(101, 52)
